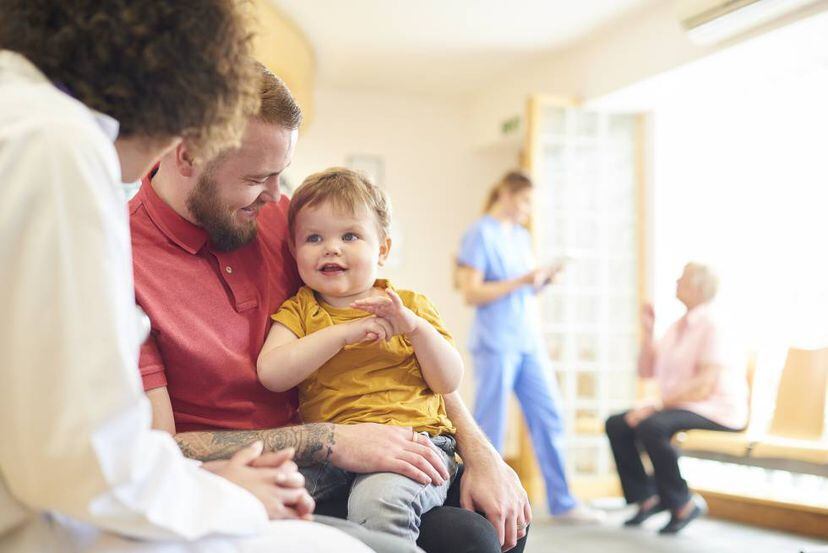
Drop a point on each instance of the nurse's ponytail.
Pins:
(511, 182)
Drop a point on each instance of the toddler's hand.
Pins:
(392, 310)
(369, 329)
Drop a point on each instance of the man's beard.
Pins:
(217, 219)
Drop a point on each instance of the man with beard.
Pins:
(211, 264)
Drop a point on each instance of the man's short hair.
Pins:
(347, 190)
(161, 68)
(276, 107)
(277, 104)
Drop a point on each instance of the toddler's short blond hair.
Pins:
(347, 190)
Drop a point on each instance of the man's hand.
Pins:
(491, 486)
(391, 309)
(635, 416)
(370, 447)
(273, 478)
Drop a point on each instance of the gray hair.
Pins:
(704, 279)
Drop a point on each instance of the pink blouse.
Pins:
(689, 343)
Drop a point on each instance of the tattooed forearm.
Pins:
(313, 442)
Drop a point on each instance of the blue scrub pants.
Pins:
(528, 374)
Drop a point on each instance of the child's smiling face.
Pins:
(338, 253)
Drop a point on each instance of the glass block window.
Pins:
(587, 202)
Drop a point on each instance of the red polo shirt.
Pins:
(210, 315)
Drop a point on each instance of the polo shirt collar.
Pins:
(179, 230)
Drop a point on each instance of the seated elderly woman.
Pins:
(698, 388)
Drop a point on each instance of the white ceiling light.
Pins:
(711, 21)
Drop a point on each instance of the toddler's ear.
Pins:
(385, 249)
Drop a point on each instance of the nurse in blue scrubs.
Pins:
(497, 274)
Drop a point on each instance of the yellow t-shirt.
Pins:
(379, 382)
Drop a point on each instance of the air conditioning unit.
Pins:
(711, 21)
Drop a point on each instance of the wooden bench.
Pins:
(795, 440)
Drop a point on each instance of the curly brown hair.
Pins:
(161, 68)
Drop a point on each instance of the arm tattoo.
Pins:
(313, 443)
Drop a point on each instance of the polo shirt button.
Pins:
(229, 269)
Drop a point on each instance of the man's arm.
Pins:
(489, 484)
(313, 443)
(358, 448)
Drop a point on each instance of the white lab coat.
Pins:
(80, 468)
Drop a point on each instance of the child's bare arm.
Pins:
(440, 362)
(286, 360)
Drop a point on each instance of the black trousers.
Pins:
(446, 529)
(653, 436)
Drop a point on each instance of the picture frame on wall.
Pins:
(373, 167)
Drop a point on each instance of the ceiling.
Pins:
(440, 47)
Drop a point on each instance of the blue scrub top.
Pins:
(501, 252)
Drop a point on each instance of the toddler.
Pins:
(358, 349)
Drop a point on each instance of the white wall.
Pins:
(740, 182)
(435, 179)
(737, 146)
(640, 45)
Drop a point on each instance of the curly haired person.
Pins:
(92, 94)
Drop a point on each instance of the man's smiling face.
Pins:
(232, 189)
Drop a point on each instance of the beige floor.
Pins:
(703, 536)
